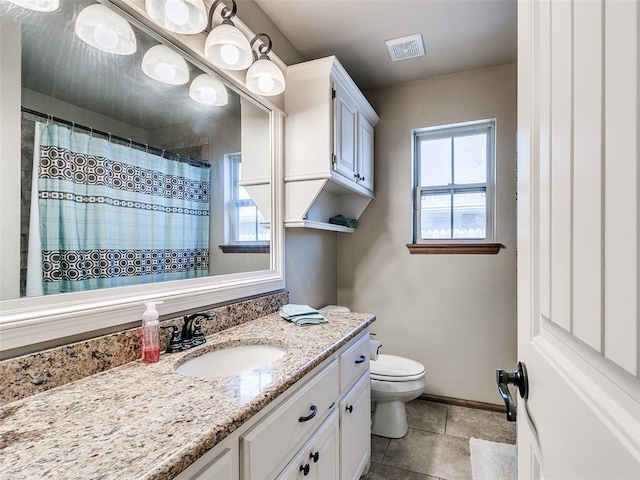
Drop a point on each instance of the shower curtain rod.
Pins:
(147, 148)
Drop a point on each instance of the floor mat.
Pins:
(492, 460)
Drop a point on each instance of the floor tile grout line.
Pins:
(407, 470)
(446, 419)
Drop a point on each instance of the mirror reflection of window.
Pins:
(132, 93)
(246, 220)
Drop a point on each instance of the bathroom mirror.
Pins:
(167, 163)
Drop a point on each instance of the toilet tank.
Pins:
(335, 308)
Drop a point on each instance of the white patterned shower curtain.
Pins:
(107, 215)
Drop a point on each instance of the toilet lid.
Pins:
(392, 368)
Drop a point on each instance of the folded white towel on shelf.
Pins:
(301, 314)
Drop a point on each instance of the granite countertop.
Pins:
(142, 421)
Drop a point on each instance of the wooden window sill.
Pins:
(454, 248)
(245, 248)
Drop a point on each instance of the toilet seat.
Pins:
(391, 368)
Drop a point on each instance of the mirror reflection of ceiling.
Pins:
(111, 84)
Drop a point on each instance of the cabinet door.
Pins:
(221, 467)
(327, 451)
(355, 429)
(365, 153)
(346, 118)
(318, 459)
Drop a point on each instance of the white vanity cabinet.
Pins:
(355, 410)
(319, 458)
(219, 463)
(279, 436)
(328, 145)
(318, 429)
(355, 427)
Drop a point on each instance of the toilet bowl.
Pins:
(394, 381)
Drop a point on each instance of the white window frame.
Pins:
(453, 130)
(235, 203)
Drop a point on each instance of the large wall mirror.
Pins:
(135, 174)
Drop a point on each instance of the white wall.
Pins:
(310, 266)
(456, 314)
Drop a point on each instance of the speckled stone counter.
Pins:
(141, 421)
(37, 372)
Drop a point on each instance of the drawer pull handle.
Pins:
(305, 469)
(349, 409)
(314, 410)
(362, 359)
(315, 457)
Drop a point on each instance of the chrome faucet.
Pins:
(192, 329)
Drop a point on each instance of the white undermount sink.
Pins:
(228, 361)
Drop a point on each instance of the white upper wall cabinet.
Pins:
(328, 145)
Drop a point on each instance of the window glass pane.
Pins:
(435, 162)
(470, 159)
(247, 224)
(470, 215)
(263, 231)
(435, 215)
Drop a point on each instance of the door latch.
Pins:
(520, 379)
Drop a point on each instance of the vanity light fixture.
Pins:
(208, 90)
(179, 16)
(38, 5)
(264, 77)
(166, 66)
(105, 30)
(226, 46)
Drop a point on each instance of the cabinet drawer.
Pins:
(279, 435)
(319, 457)
(353, 362)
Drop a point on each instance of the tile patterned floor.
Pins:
(437, 444)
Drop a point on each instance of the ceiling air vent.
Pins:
(403, 48)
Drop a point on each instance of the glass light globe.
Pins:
(228, 48)
(165, 72)
(105, 30)
(179, 16)
(230, 54)
(38, 5)
(265, 78)
(176, 11)
(106, 38)
(208, 91)
(265, 83)
(166, 66)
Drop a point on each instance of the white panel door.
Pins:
(578, 239)
(365, 153)
(346, 131)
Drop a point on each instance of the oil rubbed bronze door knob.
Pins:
(518, 378)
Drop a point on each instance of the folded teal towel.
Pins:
(344, 221)
(301, 314)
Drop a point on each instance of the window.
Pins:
(453, 183)
(245, 220)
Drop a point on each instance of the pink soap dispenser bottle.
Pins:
(150, 334)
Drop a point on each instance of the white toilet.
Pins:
(394, 381)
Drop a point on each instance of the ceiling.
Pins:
(459, 35)
(62, 66)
